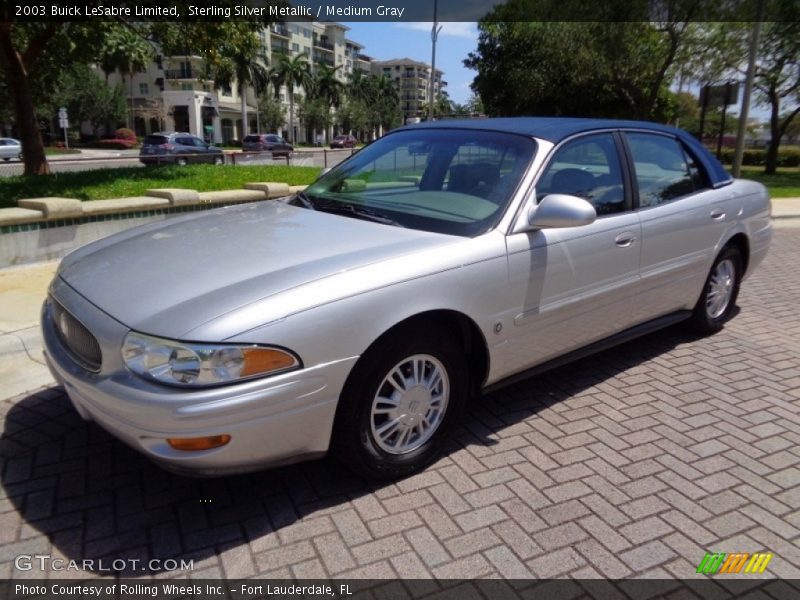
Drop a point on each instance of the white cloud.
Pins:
(462, 29)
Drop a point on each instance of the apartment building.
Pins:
(174, 93)
(413, 80)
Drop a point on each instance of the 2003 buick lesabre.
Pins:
(442, 260)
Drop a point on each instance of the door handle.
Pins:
(717, 214)
(625, 240)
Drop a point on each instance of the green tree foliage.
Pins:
(271, 113)
(33, 54)
(615, 59)
(88, 98)
(315, 113)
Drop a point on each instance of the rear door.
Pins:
(682, 219)
(575, 285)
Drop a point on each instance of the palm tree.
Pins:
(246, 65)
(359, 88)
(291, 72)
(386, 99)
(126, 52)
(328, 87)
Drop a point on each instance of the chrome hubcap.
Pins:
(720, 288)
(410, 404)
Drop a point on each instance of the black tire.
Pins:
(354, 440)
(704, 320)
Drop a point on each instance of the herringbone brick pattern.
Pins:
(634, 462)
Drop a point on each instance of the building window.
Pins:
(307, 33)
(295, 47)
(187, 87)
(306, 50)
(226, 90)
(144, 89)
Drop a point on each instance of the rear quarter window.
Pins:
(155, 140)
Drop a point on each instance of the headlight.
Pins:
(196, 365)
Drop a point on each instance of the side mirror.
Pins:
(561, 210)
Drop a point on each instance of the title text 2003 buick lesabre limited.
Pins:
(440, 261)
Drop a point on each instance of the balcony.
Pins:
(180, 74)
(324, 45)
(324, 58)
(280, 30)
(280, 49)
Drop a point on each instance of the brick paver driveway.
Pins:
(634, 462)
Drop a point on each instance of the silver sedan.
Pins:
(10, 148)
(442, 261)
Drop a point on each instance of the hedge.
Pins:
(787, 157)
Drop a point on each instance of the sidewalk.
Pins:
(23, 289)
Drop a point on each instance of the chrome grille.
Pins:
(80, 343)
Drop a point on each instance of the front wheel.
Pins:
(716, 303)
(399, 403)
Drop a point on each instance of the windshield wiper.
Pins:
(305, 201)
(359, 212)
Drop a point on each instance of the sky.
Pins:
(413, 40)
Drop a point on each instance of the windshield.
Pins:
(453, 181)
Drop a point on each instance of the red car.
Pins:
(344, 141)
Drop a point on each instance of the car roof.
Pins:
(557, 129)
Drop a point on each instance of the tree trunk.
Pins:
(32, 147)
(771, 162)
(243, 100)
(291, 114)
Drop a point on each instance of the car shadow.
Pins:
(97, 500)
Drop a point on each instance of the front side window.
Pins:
(589, 168)
(662, 170)
(449, 181)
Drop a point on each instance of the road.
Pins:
(90, 160)
(631, 463)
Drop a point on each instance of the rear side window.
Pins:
(251, 138)
(664, 171)
(155, 140)
(274, 139)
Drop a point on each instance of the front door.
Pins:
(573, 286)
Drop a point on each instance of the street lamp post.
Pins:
(434, 36)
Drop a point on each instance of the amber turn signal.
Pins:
(201, 443)
(264, 360)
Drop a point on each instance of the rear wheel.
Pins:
(399, 403)
(716, 303)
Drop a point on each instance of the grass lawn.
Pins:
(50, 151)
(784, 184)
(118, 183)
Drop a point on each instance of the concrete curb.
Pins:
(49, 209)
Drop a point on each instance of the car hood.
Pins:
(167, 278)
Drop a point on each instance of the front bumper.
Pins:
(272, 421)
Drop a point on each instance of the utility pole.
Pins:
(434, 36)
(748, 90)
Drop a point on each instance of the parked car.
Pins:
(344, 141)
(178, 149)
(232, 340)
(267, 142)
(10, 148)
